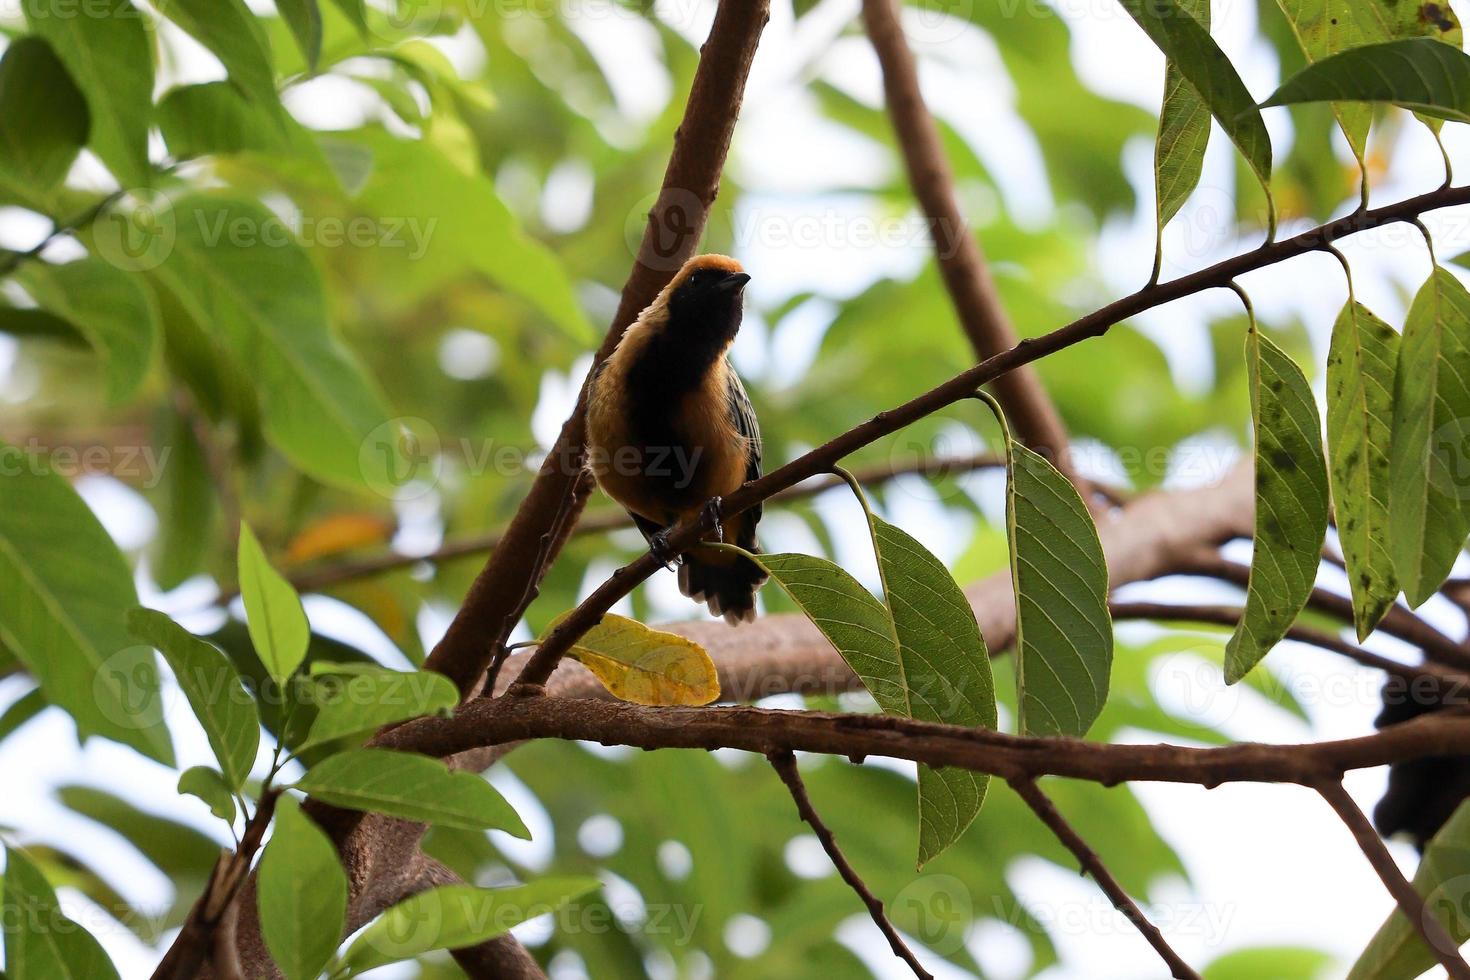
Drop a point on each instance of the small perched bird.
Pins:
(669, 426)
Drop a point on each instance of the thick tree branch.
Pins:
(492, 721)
(963, 385)
(785, 765)
(962, 265)
(1047, 811)
(675, 224)
(1411, 903)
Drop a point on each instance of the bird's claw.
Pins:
(711, 516)
(658, 546)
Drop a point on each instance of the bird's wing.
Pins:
(742, 414)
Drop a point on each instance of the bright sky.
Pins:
(1268, 865)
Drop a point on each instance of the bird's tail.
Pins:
(724, 580)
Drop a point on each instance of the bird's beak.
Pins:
(734, 282)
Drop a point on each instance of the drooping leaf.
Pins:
(273, 612)
(1291, 503)
(946, 672)
(1429, 497)
(1360, 381)
(187, 496)
(921, 656)
(1064, 633)
(209, 785)
(302, 894)
(43, 117)
(108, 306)
(64, 593)
(455, 916)
(1396, 951)
(305, 20)
(1189, 47)
(234, 35)
(1184, 133)
(647, 666)
(414, 787)
(1421, 73)
(355, 12)
(224, 708)
(40, 942)
(21, 710)
(182, 853)
(110, 58)
(1325, 27)
(213, 118)
(238, 271)
(369, 697)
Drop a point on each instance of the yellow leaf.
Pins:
(647, 666)
(336, 534)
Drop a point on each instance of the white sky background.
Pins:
(1269, 865)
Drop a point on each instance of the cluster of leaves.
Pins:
(277, 367)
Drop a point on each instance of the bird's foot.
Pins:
(658, 546)
(711, 516)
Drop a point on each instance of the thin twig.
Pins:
(785, 765)
(326, 576)
(1411, 903)
(1044, 808)
(1230, 616)
(1399, 621)
(14, 260)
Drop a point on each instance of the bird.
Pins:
(670, 428)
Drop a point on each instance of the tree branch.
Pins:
(326, 576)
(785, 765)
(493, 721)
(962, 265)
(1044, 808)
(1230, 616)
(963, 385)
(1411, 903)
(675, 225)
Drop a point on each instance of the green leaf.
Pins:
(305, 20)
(187, 495)
(224, 708)
(647, 666)
(110, 58)
(1291, 503)
(462, 224)
(1268, 961)
(414, 787)
(1184, 133)
(456, 916)
(182, 853)
(355, 12)
(43, 117)
(1064, 633)
(209, 785)
(239, 273)
(213, 118)
(1421, 73)
(1429, 497)
(1396, 951)
(365, 700)
(946, 675)
(21, 710)
(301, 893)
(1360, 379)
(920, 656)
(111, 308)
(278, 625)
(40, 942)
(232, 33)
(1325, 27)
(64, 593)
(1189, 47)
